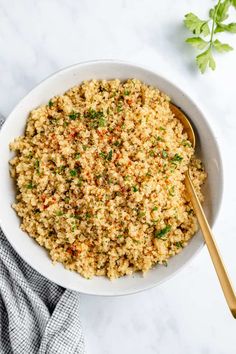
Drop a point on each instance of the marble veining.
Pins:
(188, 314)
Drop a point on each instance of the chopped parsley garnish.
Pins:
(97, 118)
(117, 143)
(155, 209)
(30, 185)
(152, 153)
(92, 114)
(159, 138)
(74, 115)
(108, 156)
(73, 173)
(119, 107)
(178, 244)
(80, 182)
(50, 104)
(84, 147)
(165, 264)
(162, 128)
(164, 154)
(88, 215)
(186, 143)
(126, 93)
(59, 213)
(101, 122)
(37, 166)
(77, 156)
(135, 189)
(177, 158)
(161, 233)
(73, 228)
(172, 191)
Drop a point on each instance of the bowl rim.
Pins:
(194, 104)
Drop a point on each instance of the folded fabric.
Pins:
(37, 316)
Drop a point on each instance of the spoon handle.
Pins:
(212, 248)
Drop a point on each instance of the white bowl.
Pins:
(35, 255)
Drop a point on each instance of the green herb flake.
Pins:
(50, 104)
(162, 128)
(178, 244)
(164, 154)
(126, 93)
(77, 156)
(85, 147)
(161, 233)
(177, 158)
(158, 138)
(152, 153)
(117, 143)
(59, 213)
(73, 173)
(109, 156)
(37, 166)
(172, 191)
(186, 143)
(88, 215)
(155, 209)
(74, 115)
(119, 107)
(105, 156)
(165, 264)
(30, 186)
(135, 189)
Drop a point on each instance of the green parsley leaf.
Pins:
(164, 154)
(109, 156)
(161, 233)
(119, 107)
(204, 59)
(50, 104)
(178, 244)
(221, 47)
(30, 186)
(126, 93)
(220, 11)
(231, 27)
(197, 42)
(195, 25)
(155, 209)
(73, 173)
(177, 158)
(135, 189)
(77, 156)
(152, 153)
(74, 115)
(59, 213)
(117, 143)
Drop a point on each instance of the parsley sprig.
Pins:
(209, 28)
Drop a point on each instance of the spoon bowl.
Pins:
(204, 225)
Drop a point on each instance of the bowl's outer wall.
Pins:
(36, 256)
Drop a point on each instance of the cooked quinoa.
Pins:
(100, 178)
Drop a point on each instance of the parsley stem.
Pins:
(214, 22)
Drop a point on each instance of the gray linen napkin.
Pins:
(36, 315)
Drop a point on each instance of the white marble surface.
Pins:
(187, 315)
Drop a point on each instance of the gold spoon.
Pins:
(206, 230)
